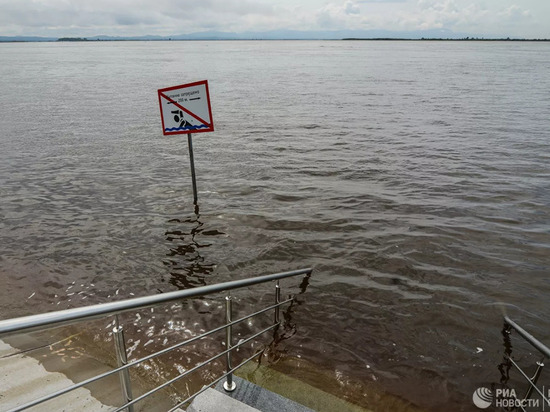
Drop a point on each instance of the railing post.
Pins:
(534, 379)
(228, 385)
(277, 301)
(120, 348)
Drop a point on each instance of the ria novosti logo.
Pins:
(483, 398)
(507, 398)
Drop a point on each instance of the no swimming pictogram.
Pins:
(186, 109)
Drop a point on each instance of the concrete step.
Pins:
(261, 398)
(75, 355)
(247, 397)
(292, 388)
(211, 400)
(23, 379)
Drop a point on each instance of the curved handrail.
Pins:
(509, 324)
(542, 348)
(65, 317)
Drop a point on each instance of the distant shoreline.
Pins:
(84, 39)
(438, 39)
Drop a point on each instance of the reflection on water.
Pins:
(506, 365)
(305, 283)
(288, 326)
(188, 267)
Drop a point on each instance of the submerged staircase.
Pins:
(23, 378)
(26, 385)
(31, 382)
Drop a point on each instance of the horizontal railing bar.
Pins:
(138, 361)
(535, 387)
(195, 368)
(215, 381)
(65, 317)
(528, 337)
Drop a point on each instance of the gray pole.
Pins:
(277, 300)
(228, 385)
(192, 160)
(120, 346)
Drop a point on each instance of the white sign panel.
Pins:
(186, 109)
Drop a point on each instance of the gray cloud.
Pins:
(169, 17)
(159, 15)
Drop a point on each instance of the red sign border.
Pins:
(161, 95)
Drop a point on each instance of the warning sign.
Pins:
(186, 109)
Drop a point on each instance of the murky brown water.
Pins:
(413, 177)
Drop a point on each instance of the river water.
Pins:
(414, 177)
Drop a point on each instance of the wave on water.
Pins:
(173, 129)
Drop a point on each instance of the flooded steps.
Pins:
(296, 390)
(30, 369)
(23, 379)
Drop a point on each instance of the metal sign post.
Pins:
(192, 160)
(185, 109)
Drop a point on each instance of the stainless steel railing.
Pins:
(544, 351)
(72, 316)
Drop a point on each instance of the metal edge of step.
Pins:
(260, 398)
(214, 400)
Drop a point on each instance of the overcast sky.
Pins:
(56, 18)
